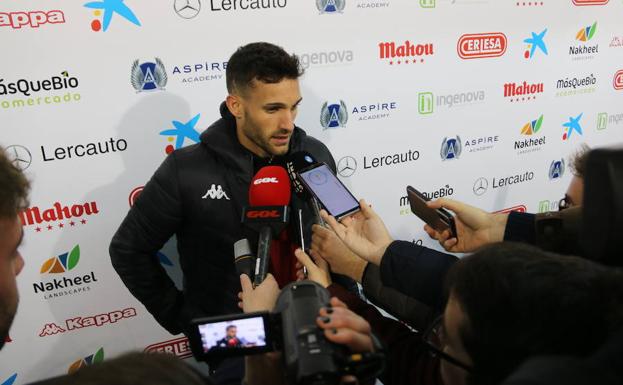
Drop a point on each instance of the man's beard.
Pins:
(6, 319)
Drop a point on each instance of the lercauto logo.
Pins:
(333, 115)
(10, 380)
(110, 8)
(405, 53)
(62, 263)
(617, 82)
(34, 19)
(533, 127)
(481, 45)
(330, 6)
(91, 359)
(535, 41)
(590, 2)
(586, 34)
(556, 169)
(572, 125)
(148, 76)
(180, 133)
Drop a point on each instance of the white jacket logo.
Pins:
(215, 192)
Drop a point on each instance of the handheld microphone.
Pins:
(244, 258)
(268, 213)
(296, 162)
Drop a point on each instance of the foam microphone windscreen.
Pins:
(270, 187)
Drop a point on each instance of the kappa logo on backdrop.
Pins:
(110, 8)
(330, 6)
(179, 347)
(58, 216)
(481, 45)
(91, 359)
(148, 76)
(573, 125)
(556, 169)
(98, 320)
(536, 40)
(215, 192)
(180, 133)
(34, 19)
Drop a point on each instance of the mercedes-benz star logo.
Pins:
(187, 9)
(480, 186)
(347, 166)
(20, 156)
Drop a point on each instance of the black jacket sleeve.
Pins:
(416, 271)
(406, 309)
(152, 220)
(520, 227)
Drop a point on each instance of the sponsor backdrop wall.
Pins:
(481, 100)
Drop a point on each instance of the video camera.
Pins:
(309, 358)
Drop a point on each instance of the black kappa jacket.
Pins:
(173, 202)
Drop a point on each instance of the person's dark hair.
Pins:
(135, 368)
(14, 188)
(520, 302)
(230, 326)
(264, 62)
(577, 161)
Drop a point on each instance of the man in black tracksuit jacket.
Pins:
(198, 193)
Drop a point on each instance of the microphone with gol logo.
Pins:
(296, 162)
(268, 213)
(244, 258)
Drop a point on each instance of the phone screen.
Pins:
(234, 334)
(329, 190)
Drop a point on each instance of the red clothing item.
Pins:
(282, 259)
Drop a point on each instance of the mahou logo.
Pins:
(590, 2)
(405, 53)
(58, 216)
(481, 45)
(91, 359)
(34, 19)
(518, 92)
(179, 347)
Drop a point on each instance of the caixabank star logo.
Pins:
(58, 278)
(536, 44)
(105, 11)
(180, 133)
(91, 359)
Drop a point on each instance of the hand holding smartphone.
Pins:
(439, 219)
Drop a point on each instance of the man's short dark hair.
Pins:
(520, 302)
(14, 188)
(230, 326)
(577, 162)
(264, 62)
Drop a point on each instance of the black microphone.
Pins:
(296, 162)
(244, 258)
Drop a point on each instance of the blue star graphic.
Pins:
(573, 125)
(112, 6)
(183, 130)
(537, 41)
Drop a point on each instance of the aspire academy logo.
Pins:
(91, 359)
(77, 323)
(482, 45)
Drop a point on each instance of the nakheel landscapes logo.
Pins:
(535, 140)
(34, 93)
(58, 278)
(584, 49)
(89, 360)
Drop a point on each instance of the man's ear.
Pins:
(234, 105)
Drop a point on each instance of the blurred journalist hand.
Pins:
(326, 245)
(344, 327)
(261, 298)
(364, 233)
(317, 270)
(475, 227)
